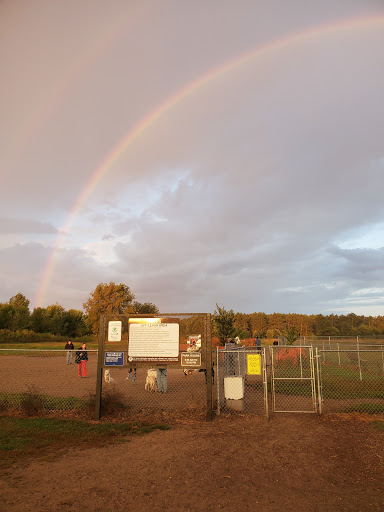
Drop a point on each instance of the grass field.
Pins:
(27, 437)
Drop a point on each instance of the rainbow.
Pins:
(174, 100)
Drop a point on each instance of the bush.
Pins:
(32, 403)
(112, 403)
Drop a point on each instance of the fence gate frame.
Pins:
(311, 378)
(263, 367)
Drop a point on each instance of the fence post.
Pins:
(338, 353)
(208, 359)
(272, 376)
(358, 358)
(382, 357)
(265, 381)
(301, 363)
(319, 391)
(99, 372)
(218, 380)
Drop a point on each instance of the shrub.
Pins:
(32, 403)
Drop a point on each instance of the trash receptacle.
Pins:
(234, 387)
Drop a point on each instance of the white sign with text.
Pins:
(114, 330)
(153, 341)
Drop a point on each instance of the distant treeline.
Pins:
(277, 324)
(16, 317)
(51, 320)
(25, 336)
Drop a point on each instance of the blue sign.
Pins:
(114, 359)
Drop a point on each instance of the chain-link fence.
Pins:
(241, 380)
(286, 379)
(161, 363)
(351, 380)
(44, 380)
(346, 345)
(150, 390)
(293, 386)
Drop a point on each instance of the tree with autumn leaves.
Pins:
(113, 299)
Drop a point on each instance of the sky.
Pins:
(224, 152)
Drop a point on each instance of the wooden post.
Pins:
(208, 364)
(99, 372)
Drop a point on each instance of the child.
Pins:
(81, 360)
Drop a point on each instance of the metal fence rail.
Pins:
(306, 379)
(138, 388)
(293, 385)
(351, 380)
(240, 387)
(43, 379)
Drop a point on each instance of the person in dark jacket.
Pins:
(81, 360)
(69, 348)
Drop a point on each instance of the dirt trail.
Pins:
(291, 463)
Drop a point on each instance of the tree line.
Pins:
(112, 298)
(107, 298)
(278, 324)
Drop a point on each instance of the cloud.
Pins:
(253, 190)
(366, 265)
(25, 226)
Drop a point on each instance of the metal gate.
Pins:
(241, 380)
(293, 386)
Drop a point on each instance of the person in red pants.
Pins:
(81, 360)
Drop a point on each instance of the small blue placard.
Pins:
(114, 359)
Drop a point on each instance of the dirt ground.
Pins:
(289, 463)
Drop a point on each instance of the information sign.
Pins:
(114, 359)
(152, 339)
(194, 341)
(114, 330)
(192, 359)
(253, 364)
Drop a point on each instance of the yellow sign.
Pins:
(253, 364)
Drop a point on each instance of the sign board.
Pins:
(114, 330)
(153, 339)
(253, 364)
(194, 341)
(192, 359)
(114, 359)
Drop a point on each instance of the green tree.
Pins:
(291, 335)
(74, 324)
(108, 299)
(19, 314)
(6, 316)
(224, 324)
(54, 319)
(19, 300)
(38, 320)
(143, 308)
